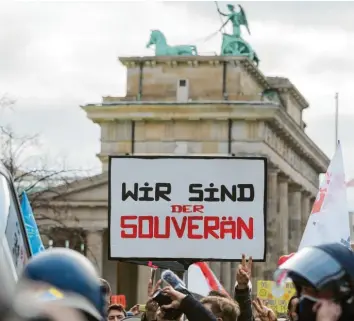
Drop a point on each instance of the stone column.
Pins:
(258, 273)
(283, 214)
(294, 223)
(94, 249)
(216, 268)
(234, 266)
(143, 278)
(305, 209)
(226, 275)
(109, 268)
(266, 270)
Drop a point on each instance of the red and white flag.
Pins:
(202, 280)
(350, 183)
(329, 218)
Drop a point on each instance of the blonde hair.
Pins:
(224, 308)
(218, 293)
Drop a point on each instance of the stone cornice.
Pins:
(75, 204)
(220, 110)
(284, 85)
(303, 143)
(217, 110)
(196, 61)
(119, 100)
(295, 93)
(99, 224)
(62, 190)
(121, 103)
(171, 110)
(295, 187)
(105, 158)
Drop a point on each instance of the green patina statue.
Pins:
(234, 44)
(236, 18)
(158, 39)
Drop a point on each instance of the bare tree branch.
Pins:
(6, 102)
(22, 156)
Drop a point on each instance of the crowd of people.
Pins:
(61, 284)
(312, 303)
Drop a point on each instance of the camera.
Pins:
(162, 299)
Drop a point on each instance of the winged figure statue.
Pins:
(237, 18)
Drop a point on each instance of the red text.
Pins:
(192, 227)
(187, 208)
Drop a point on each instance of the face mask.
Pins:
(305, 307)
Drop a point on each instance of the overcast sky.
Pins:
(55, 56)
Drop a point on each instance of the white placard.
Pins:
(176, 223)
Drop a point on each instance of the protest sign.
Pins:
(273, 301)
(192, 208)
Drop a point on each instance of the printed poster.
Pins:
(278, 304)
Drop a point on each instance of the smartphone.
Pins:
(161, 298)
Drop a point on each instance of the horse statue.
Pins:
(158, 39)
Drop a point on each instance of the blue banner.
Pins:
(34, 238)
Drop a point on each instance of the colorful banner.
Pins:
(34, 238)
(330, 209)
(266, 291)
(201, 279)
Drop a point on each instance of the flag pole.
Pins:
(336, 119)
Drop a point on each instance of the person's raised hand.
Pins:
(244, 272)
(264, 313)
(152, 289)
(327, 310)
(175, 296)
(135, 309)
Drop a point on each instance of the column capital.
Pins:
(283, 178)
(295, 187)
(272, 168)
(273, 171)
(306, 193)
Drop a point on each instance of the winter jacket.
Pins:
(244, 300)
(194, 310)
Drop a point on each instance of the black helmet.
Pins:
(324, 267)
